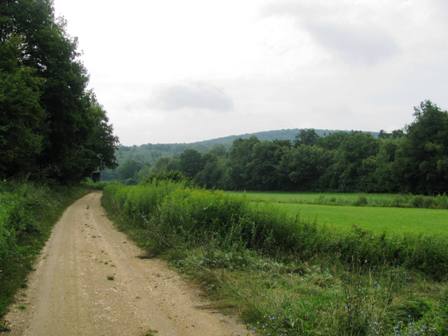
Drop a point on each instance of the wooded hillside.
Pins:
(414, 159)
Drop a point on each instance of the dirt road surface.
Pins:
(90, 281)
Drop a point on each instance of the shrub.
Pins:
(418, 202)
(361, 201)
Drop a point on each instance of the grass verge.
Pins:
(27, 215)
(283, 276)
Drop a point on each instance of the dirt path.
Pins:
(89, 281)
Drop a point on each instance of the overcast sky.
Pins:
(180, 71)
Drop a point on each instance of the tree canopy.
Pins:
(51, 125)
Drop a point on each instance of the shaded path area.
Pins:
(90, 281)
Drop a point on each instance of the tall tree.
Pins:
(263, 169)
(423, 159)
(72, 136)
(21, 114)
(307, 137)
(304, 166)
(347, 170)
(213, 174)
(240, 157)
(191, 163)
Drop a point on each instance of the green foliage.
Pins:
(92, 185)
(27, 214)
(21, 114)
(151, 153)
(350, 162)
(410, 310)
(361, 201)
(284, 276)
(178, 215)
(349, 199)
(423, 158)
(414, 161)
(174, 176)
(396, 221)
(128, 172)
(307, 137)
(240, 158)
(214, 174)
(304, 166)
(190, 163)
(51, 126)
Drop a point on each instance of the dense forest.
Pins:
(414, 159)
(51, 126)
(151, 153)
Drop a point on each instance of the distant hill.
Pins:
(150, 153)
(284, 134)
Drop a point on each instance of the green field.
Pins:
(355, 199)
(317, 198)
(377, 219)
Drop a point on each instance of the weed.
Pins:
(4, 326)
(361, 201)
(151, 332)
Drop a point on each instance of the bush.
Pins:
(361, 201)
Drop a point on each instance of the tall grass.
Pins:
(27, 214)
(178, 215)
(284, 276)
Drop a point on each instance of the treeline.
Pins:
(51, 125)
(411, 160)
(151, 153)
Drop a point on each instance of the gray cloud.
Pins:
(386, 56)
(193, 96)
(441, 4)
(354, 40)
(356, 44)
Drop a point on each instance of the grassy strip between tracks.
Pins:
(286, 277)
